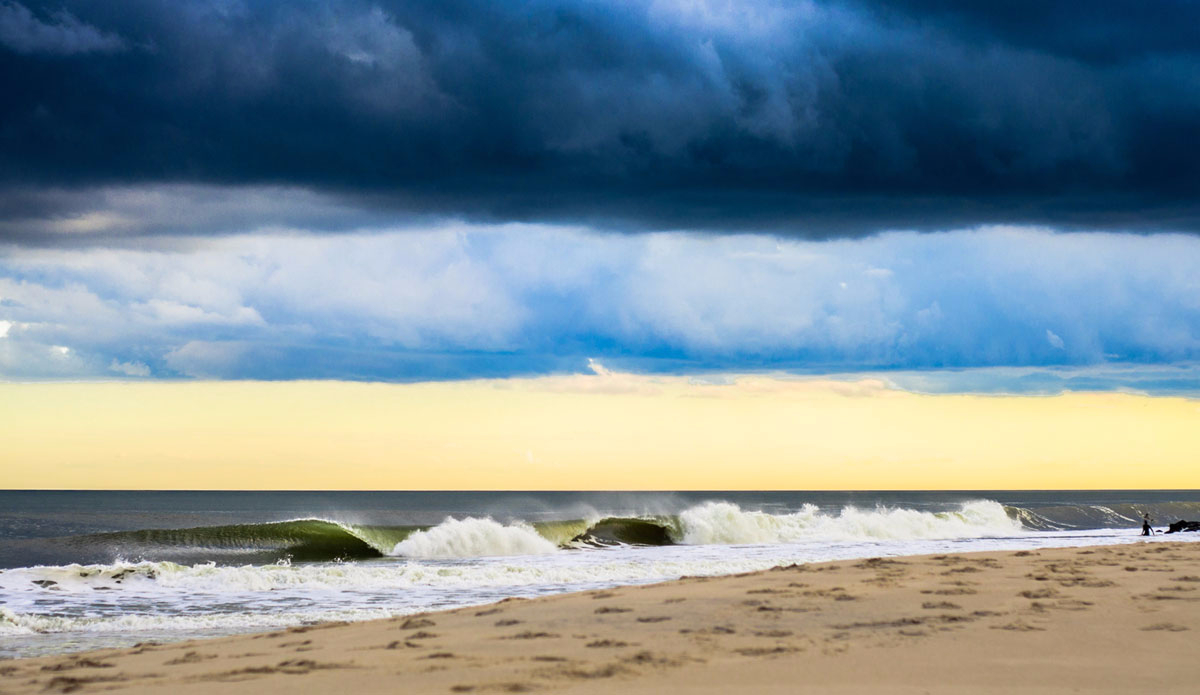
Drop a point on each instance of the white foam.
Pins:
(726, 523)
(166, 601)
(473, 537)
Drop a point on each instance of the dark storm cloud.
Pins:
(821, 119)
(60, 34)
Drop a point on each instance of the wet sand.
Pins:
(1103, 619)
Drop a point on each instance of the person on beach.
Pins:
(1146, 530)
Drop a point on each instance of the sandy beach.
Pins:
(1120, 618)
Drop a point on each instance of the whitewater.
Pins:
(108, 575)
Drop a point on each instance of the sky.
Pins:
(955, 201)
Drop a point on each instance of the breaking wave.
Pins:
(710, 523)
(725, 523)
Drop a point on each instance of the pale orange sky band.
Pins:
(603, 431)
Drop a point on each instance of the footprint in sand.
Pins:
(612, 609)
(961, 570)
(956, 591)
(422, 635)
(606, 643)
(583, 673)
(648, 658)
(1019, 626)
(939, 605)
(1167, 627)
(291, 666)
(774, 633)
(76, 663)
(766, 651)
(874, 562)
(417, 623)
(190, 658)
(531, 635)
(69, 684)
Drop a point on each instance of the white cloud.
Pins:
(249, 305)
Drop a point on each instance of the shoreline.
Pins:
(1102, 618)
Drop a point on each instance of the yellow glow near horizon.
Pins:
(604, 431)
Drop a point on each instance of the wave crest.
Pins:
(473, 537)
(710, 523)
(726, 523)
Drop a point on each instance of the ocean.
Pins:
(90, 569)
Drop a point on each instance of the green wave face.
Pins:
(619, 531)
(304, 540)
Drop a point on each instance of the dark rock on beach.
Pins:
(1182, 525)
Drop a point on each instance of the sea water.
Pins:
(89, 569)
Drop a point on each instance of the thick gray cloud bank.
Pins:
(1036, 311)
(812, 118)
